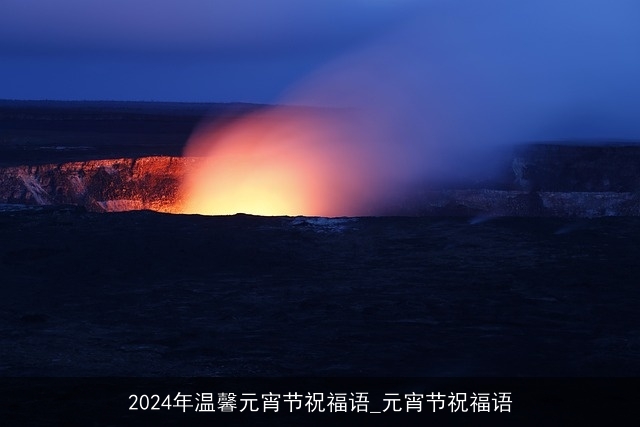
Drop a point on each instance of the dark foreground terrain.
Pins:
(149, 294)
(502, 279)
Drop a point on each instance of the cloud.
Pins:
(435, 101)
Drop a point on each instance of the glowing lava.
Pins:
(280, 162)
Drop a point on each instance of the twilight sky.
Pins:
(443, 69)
(187, 50)
(431, 87)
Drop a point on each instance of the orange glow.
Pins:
(285, 161)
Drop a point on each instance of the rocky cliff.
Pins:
(586, 168)
(538, 180)
(98, 185)
(564, 180)
(114, 156)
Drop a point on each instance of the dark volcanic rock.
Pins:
(150, 294)
(120, 156)
(154, 183)
(42, 132)
(586, 168)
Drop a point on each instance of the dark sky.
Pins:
(188, 50)
(437, 70)
(431, 87)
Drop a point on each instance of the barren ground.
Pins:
(149, 294)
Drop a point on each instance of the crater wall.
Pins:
(98, 185)
(536, 180)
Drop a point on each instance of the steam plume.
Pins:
(428, 103)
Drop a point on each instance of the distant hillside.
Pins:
(39, 132)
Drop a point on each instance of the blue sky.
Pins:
(434, 86)
(445, 70)
(188, 50)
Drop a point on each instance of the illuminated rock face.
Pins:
(98, 185)
(544, 180)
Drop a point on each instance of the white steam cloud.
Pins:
(435, 98)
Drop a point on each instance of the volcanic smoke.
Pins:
(284, 161)
(427, 103)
